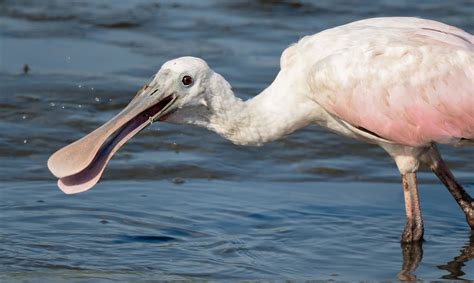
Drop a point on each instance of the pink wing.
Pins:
(412, 86)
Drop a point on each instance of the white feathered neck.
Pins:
(277, 111)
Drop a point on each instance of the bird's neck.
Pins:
(275, 112)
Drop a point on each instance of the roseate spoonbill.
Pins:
(405, 84)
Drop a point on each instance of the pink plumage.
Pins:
(408, 84)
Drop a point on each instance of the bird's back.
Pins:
(407, 80)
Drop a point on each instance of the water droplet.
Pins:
(92, 88)
(23, 117)
(25, 141)
(79, 86)
(97, 99)
(52, 104)
(175, 147)
(63, 107)
(79, 105)
(26, 69)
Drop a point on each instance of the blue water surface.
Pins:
(179, 202)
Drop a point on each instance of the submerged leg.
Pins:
(413, 230)
(439, 167)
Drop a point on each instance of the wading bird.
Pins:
(405, 84)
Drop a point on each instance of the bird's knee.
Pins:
(407, 164)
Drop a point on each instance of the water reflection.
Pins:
(454, 267)
(412, 254)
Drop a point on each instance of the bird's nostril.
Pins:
(153, 92)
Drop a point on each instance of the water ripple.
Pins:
(181, 203)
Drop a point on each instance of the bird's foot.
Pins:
(413, 231)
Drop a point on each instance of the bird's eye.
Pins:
(187, 80)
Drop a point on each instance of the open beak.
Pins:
(79, 165)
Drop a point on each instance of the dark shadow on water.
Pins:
(454, 267)
(412, 254)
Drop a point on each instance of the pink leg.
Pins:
(439, 167)
(413, 230)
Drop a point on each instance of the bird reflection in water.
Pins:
(412, 254)
(454, 267)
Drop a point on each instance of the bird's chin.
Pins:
(198, 115)
(86, 159)
(167, 117)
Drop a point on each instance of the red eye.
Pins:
(187, 80)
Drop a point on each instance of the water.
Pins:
(178, 202)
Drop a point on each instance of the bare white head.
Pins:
(185, 78)
(196, 91)
(184, 90)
